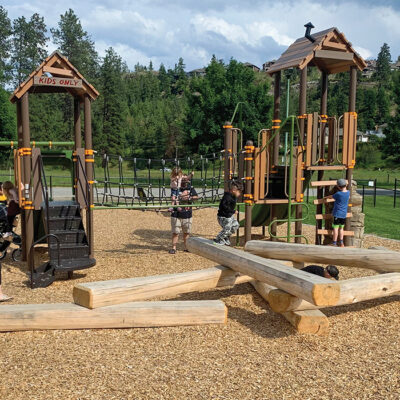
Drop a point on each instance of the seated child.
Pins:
(12, 206)
(226, 214)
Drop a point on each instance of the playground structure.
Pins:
(59, 223)
(277, 170)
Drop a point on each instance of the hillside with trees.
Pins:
(166, 112)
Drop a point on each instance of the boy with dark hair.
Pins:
(226, 214)
(341, 197)
(329, 272)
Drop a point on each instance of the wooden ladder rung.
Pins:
(330, 232)
(323, 201)
(324, 183)
(329, 216)
(326, 168)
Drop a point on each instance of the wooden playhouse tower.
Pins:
(286, 156)
(70, 242)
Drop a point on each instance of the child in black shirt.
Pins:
(226, 214)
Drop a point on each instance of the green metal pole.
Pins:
(48, 143)
(287, 97)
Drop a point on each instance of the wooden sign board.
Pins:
(57, 82)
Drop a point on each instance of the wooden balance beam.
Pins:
(28, 317)
(351, 291)
(105, 293)
(315, 289)
(378, 260)
(308, 321)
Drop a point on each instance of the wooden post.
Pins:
(276, 143)
(21, 171)
(89, 158)
(227, 156)
(26, 168)
(77, 123)
(348, 241)
(302, 110)
(248, 190)
(323, 111)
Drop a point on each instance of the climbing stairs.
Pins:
(63, 220)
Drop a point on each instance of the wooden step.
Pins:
(326, 168)
(324, 183)
(330, 216)
(323, 201)
(272, 201)
(330, 232)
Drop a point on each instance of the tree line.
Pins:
(164, 113)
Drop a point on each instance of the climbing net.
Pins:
(132, 181)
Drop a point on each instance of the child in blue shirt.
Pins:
(341, 197)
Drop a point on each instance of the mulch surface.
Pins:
(257, 355)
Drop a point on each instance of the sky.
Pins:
(249, 31)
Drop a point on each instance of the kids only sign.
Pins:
(59, 82)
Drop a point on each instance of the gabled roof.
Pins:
(57, 66)
(331, 52)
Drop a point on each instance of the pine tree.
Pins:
(76, 44)
(28, 46)
(165, 82)
(383, 66)
(5, 47)
(114, 107)
(382, 103)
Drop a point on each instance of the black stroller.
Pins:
(14, 239)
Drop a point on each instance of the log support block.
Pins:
(307, 321)
(29, 317)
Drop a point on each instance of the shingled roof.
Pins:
(331, 52)
(57, 66)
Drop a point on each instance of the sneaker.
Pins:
(341, 244)
(172, 251)
(7, 234)
(333, 244)
(227, 242)
(219, 242)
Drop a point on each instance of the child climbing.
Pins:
(226, 214)
(13, 209)
(341, 197)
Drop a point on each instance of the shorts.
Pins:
(174, 192)
(181, 224)
(338, 222)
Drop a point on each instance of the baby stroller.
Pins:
(14, 239)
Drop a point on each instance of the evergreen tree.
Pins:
(8, 123)
(114, 107)
(165, 82)
(382, 103)
(383, 66)
(28, 46)
(5, 46)
(76, 44)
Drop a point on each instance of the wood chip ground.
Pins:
(257, 355)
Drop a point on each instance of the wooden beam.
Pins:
(316, 289)
(378, 260)
(323, 201)
(326, 167)
(67, 83)
(58, 71)
(105, 293)
(351, 291)
(330, 232)
(333, 55)
(28, 317)
(329, 216)
(334, 46)
(309, 321)
(324, 183)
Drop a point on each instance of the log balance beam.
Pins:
(315, 289)
(105, 293)
(27, 317)
(308, 321)
(378, 260)
(351, 291)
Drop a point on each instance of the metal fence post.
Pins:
(51, 188)
(395, 193)
(375, 192)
